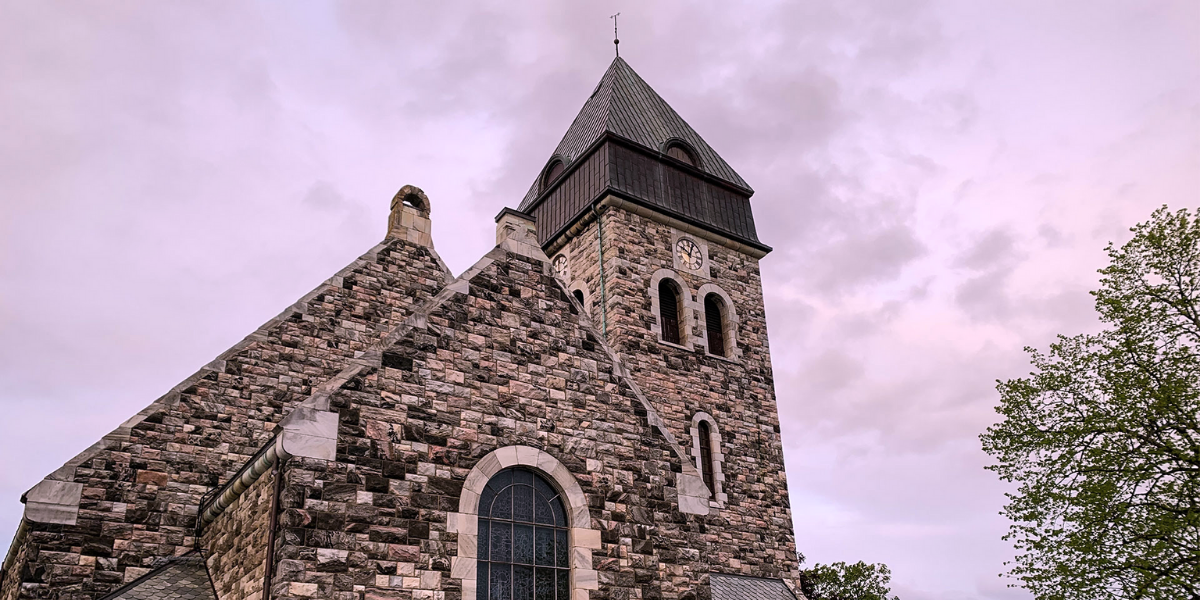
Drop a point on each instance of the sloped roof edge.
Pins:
(623, 104)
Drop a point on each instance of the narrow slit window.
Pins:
(668, 312)
(706, 461)
(714, 321)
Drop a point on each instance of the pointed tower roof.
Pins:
(624, 105)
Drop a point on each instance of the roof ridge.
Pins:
(609, 104)
(625, 105)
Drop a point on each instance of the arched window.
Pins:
(556, 168)
(707, 454)
(524, 550)
(681, 153)
(579, 296)
(706, 458)
(714, 324)
(668, 311)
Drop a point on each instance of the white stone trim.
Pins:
(465, 522)
(587, 295)
(729, 321)
(687, 316)
(718, 457)
(52, 501)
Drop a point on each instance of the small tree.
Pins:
(840, 581)
(1103, 437)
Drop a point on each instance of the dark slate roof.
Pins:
(737, 587)
(178, 578)
(625, 105)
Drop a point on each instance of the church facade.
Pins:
(588, 412)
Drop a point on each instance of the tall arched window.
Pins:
(668, 311)
(523, 544)
(707, 467)
(714, 324)
(579, 296)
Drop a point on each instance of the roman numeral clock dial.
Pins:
(689, 254)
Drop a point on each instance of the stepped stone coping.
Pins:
(171, 398)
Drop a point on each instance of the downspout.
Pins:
(277, 473)
(603, 295)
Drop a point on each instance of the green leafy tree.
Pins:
(840, 581)
(1103, 440)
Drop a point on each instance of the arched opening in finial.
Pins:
(412, 197)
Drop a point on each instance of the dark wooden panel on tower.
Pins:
(669, 186)
(571, 195)
(650, 179)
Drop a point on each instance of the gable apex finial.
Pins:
(616, 40)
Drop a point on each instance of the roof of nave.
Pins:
(177, 578)
(737, 587)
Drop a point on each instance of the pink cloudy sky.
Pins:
(938, 179)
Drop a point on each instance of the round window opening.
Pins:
(524, 550)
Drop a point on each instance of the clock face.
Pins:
(560, 265)
(689, 254)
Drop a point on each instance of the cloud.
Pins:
(869, 257)
(996, 246)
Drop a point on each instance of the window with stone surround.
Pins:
(706, 463)
(706, 451)
(714, 323)
(669, 310)
(720, 320)
(524, 550)
(582, 538)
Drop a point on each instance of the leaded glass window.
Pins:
(524, 550)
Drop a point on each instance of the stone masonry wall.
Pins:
(140, 495)
(11, 585)
(756, 522)
(235, 544)
(510, 363)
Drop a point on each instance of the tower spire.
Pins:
(616, 40)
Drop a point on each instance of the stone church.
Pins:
(588, 412)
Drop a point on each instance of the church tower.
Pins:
(653, 232)
(587, 413)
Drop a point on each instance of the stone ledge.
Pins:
(55, 502)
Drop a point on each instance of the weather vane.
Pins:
(616, 40)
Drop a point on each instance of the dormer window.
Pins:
(555, 169)
(681, 153)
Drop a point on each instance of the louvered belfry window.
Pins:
(706, 462)
(524, 550)
(681, 154)
(668, 311)
(714, 321)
